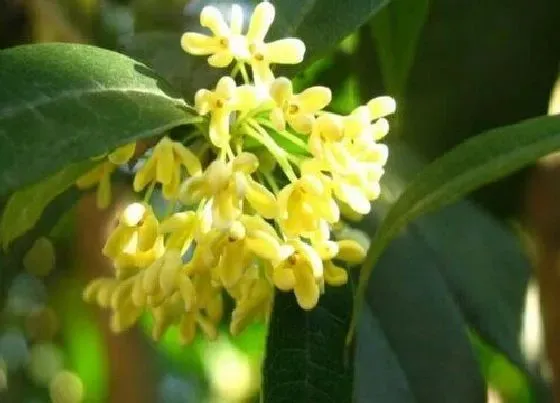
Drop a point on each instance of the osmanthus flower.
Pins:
(220, 104)
(228, 185)
(282, 51)
(298, 110)
(101, 174)
(135, 242)
(254, 193)
(165, 166)
(304, 204)
(226, 42)
(253, 299)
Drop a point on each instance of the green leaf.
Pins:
(62, 103)
(305, 357)
(476, 261)
(396, 29)
(423, 329)
(321, 24)
(478, 161)
(24, 207)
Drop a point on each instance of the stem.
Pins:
(258, 133)
(244, 73)
(271, 182)
(286, 134)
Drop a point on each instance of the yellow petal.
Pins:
(145, 174)
(121, 294)
(178, 221)
(187, 158)
(314, 99)
(117, 241)
(165, 161)
(312, 257)
(138, 295)
(380, 129)
(231, 266)
(212, 18)
(169, 271)
(147, 233)
(285, 51)
(381, 106)
(220, 59)
(260, 22)
(104, 191)
(262, 74)
(261, 199)
(187, 328)
(283, 278)
(225, 88)
(199, 44)
(215, 307)
(122, 154)
(245, 162)
(335, 275)
(246, 98)
(202, 101)
(350, 251)
(306, 289)
(219, 128)
(91, 178)
(277, 119)
(236, 19)
(301, 123)
(326, 250)
(266, 246)
(281, 91)
(150, 278)
(171, 189)
(90, 292)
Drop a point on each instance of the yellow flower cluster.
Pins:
(255, 200)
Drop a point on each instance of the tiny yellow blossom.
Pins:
(226, 42)
(101, 174)
(165, 166)
(252, 303)
(135, 241)
(304, 204)
(220, 103)
(303, 272)
(296, 109)
(282, 51)
(228, 184)
(248, 238)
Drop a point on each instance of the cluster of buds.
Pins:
(256, 192)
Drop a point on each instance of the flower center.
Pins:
(293, 109)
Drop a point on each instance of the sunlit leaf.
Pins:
(62, 103)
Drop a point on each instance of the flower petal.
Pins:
(285, 51)
(200, 44)
(261, 199)
(212, 18)
(314, 99)
(122, 154)
(260, 22)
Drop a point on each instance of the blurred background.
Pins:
(469, 66)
